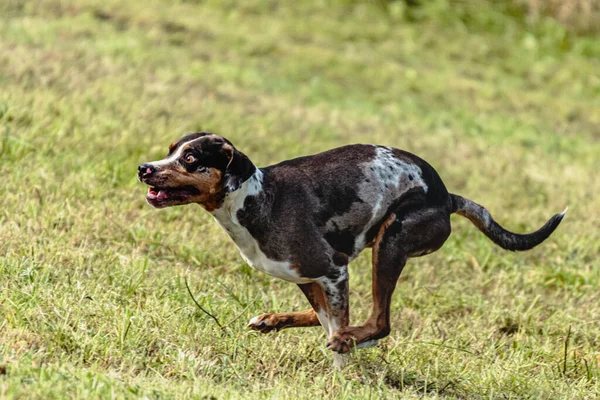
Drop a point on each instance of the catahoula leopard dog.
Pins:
(304, 220)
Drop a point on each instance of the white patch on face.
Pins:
(226, 216)
(176, 155)
(390, 177)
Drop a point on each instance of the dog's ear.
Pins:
(239, 168)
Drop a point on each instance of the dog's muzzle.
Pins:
(145, 171)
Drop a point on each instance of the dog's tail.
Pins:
(482, 219)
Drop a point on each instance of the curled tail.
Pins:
(482, 219)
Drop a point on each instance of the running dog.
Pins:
(304, 220)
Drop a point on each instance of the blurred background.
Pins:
(501, 97)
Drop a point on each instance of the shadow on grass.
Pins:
(403, 379)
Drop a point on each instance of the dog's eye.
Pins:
(189, 159)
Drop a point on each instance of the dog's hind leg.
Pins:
(313, 317)
(402, 235)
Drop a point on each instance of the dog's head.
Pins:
(200, 168)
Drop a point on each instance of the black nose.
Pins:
(145, 170)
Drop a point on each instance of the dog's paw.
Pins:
(349, 338)
(266, 323)
(341, 342)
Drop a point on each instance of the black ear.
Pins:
(238, 170)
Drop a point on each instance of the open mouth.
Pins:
(157, 194)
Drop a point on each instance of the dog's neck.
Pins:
(234, 201)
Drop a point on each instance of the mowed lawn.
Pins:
(93, 297)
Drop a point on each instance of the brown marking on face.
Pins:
(205, 180)
(217, 169)
(208, 185)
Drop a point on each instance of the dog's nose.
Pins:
(145, 170)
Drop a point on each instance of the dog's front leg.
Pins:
(335, 289)
(316, 316)
(276, 321)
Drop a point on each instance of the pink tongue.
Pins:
(161, 195)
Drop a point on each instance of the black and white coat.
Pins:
(304, 220)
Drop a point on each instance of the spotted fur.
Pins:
(304, 220)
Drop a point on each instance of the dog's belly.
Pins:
(279, 269)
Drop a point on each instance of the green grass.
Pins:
(93, 300)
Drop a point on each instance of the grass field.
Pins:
(93, 297)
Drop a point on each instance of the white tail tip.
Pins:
(562, 214)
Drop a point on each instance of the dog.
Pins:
(304, 220)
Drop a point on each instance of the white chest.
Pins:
(249, 248)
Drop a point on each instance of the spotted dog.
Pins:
(304, 220)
